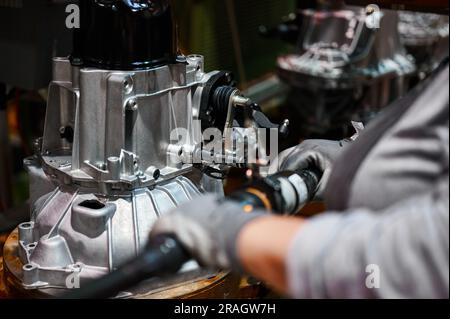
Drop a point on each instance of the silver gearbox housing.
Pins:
(105, 169)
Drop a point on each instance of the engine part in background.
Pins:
(284, 193)
(436, 6)
(426, 37)
(350, 64)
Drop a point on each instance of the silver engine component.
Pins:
(105, 169)
(346, 47)
(350, 63)
(426, 37)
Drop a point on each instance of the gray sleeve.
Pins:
(341, 255)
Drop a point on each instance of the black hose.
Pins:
(165, 256)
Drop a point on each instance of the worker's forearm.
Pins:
(263, 247)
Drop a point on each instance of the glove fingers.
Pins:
(192, 236)
(275, 167)
(297, 161)
(322, 185)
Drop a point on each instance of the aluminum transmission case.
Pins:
(105, 169)
(348, 66)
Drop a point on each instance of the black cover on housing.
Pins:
(125, 34)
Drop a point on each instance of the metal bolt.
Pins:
(128, 85)
(370, 9)
(37, 145)
(229, 77)
(239, 100)
(77, 61)
(132, 105)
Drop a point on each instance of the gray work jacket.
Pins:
(387, 232)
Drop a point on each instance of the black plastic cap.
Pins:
(125, 34)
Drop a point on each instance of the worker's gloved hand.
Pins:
(320, 154)
(208, 227)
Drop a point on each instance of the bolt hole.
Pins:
(29, 267)
(128, 86)
(31, 246)
(26, 226)
(195, 56)
(92, 204)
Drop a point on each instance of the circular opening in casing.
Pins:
(28, 267)
(92, 204)
(26, 226)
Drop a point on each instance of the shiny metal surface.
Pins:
(341, 49)
(349, 64)
(196, 284)
(426, 37)
(104, 170)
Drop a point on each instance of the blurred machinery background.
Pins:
(344, 69)
(317, 63)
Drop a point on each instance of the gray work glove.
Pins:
(320, 154)
(208, 228)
